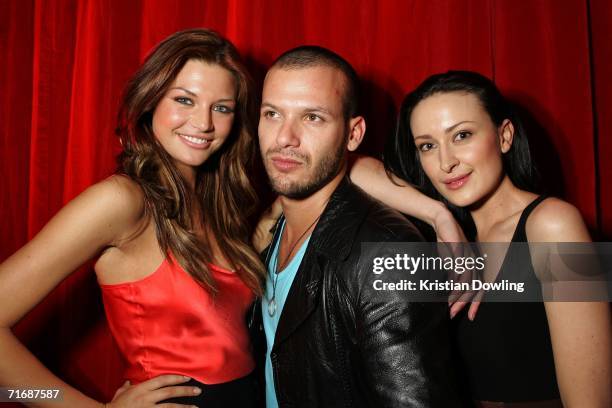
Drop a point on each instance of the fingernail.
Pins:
(187, 378)
(452, 313)
(196, 390)
(471, 316)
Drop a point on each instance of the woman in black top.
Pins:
(458, 141)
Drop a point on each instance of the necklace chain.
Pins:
(272, 300)
(292, 248)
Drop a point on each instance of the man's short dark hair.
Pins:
(308, 56)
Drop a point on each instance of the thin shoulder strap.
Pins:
(520, 235)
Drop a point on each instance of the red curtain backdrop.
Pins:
(64, 63)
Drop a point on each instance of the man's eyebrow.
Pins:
(268, 105)
(450, 128)
(318, 109)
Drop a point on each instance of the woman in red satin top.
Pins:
(169, 233)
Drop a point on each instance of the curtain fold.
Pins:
(600, 19)
(65, 63)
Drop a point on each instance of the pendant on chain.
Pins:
(272, 307)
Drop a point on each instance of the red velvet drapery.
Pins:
(64, 63)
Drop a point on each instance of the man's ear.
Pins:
(506, 135)
(357, 128)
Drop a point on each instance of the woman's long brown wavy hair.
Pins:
(223, 193)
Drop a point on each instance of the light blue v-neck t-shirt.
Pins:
(270, 323)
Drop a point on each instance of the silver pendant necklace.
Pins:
(272, 301)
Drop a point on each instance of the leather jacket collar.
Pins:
(324, 246)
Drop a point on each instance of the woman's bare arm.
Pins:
(580, 331)
(369, 174)
(98, 218)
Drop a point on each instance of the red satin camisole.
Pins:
(166, 323)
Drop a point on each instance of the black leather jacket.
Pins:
(340, 343)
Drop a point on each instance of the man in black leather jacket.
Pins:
(333, 340)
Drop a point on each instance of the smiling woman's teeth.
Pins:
(196, 140)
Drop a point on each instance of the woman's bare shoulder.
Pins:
(555, 220)
(121, 194)
(116, 201)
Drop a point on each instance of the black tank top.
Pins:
(505, 354)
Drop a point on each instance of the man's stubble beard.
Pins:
(326, 170)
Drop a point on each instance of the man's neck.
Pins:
(299, 214)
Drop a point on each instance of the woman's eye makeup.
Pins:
(183, 100)
(457, 137)
(223, 109)
(424, 147)
(462, 135)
